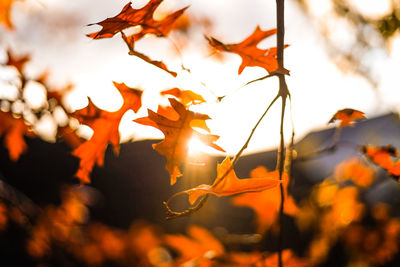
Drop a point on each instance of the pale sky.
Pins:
(53, 32)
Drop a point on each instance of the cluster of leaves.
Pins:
(335, 214)
(334, 208)
(176, 122)
(65, 226)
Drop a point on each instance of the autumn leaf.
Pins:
(17, 62)
(249, 52)
(177, 133)
(383, 157)
(69, 135)
(186, 97)
(130, 17)
(13, 129)
(266, 203)
(227, 183)
(347, 117)
(105, 130)
(5, 9)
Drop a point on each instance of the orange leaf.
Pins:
(383, 157)
(266, 203)
(5, 8)
(250, 54)
(13, 130)
(177, 133)
(130, 17)
(186, 97)
(229, 184)
(105, 126)
(347, 116)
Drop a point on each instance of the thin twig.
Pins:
(250, 82)
(259, 79)
(284, 93)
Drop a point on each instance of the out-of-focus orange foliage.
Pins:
(13, 129)
(353, 169)
(3, 216)
(199, 248)
(383, 157)
(334, 210)
(227, 183)
(288, 260)
(266, 203)
(186, 97)
(177, 135)
(347, 116)
(105, 130)
(17, 62)
(57, 224)
(374, 245)
(249, 52)
(5, 8)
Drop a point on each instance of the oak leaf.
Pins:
(105, 130)
(186, 97)
(13, 129)
(251, 55)
(347, 117)
(227, 183)
(178, 133)
(382, 156)
(143, 17)
(266, 204)
(130, 17)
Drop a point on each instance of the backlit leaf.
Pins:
(249, 52)
(186, 97)
(347, 116)
(105, 130)
(178, 132)
(229, 184)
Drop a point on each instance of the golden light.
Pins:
(196, 147)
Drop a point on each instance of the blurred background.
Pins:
(342, 210)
